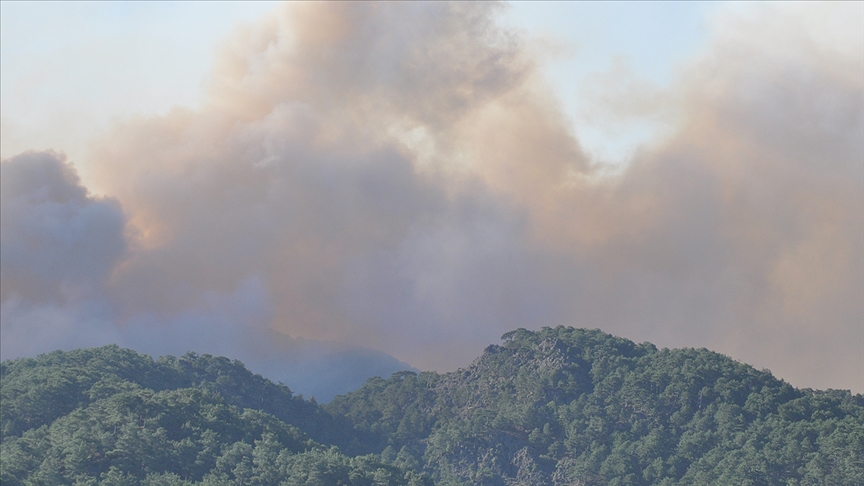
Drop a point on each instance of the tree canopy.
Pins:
(552, 407)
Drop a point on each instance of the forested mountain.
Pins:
(112, 416)
(571, 406)
(557, 406)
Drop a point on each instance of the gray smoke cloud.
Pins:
(398, 177)
(57, 240)
(59, 247)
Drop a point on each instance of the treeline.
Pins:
(552, 407)
(572, 406)
(111, 416)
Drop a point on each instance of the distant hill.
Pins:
(559, 406)
(112, 416)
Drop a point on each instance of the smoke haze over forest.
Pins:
(400, 178)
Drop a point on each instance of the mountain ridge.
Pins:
(554, 406)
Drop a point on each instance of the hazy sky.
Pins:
(419, 178)
(71, 68)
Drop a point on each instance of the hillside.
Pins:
(572, 406)
(557, 406)
(120, 417)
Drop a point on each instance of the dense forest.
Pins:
(558, 406)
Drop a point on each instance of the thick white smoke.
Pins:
(397, 176)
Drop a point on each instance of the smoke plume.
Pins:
(398, 177)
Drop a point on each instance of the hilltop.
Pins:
(556, 406)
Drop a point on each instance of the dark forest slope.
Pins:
(556, 406)
(113, 416)
(573, 406)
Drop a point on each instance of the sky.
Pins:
(384, 186)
